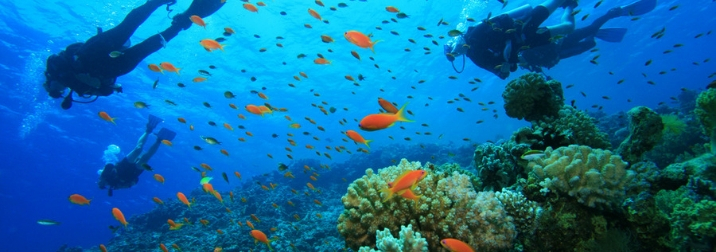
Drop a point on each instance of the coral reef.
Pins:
(449, 207)
(571, 126)
(594, 177)
(706, 114)
(409, 241)
(645, 131)
(524, 212)
(496, 165)
(532, 97)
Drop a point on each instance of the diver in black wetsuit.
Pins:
(495, 43)
(582, 39)
(125, 173)
(91, 69)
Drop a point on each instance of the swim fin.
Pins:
(166, 134)
(614, 35)
(153, 122)
(637, 8)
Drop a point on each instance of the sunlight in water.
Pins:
(29, 92)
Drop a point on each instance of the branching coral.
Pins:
(532, 97)
(449, 207)
(595, 177)
(409, 241)
(524, 212)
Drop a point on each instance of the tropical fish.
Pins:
(119, 216)
(79, 199)
(454, 245)
(355, 136)
(261, 237)
(532, 155)
(210, 140)
(374, 122)
(251, 7)
(407, 180)
(211, 45)
(183, 199)
(47, 222)
(314, 14)
(198, 21)
(169, 67)
(154, 68)
(106, 117)
(360, 39)
(159, 178)
(387, 106)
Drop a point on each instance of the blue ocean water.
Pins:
(51, 153)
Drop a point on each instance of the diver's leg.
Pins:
(114, 38)
(147, 155)
(567, 25)
(552, 5)
(132, 156)
(577, 48)
(591, 29)
(521, 12)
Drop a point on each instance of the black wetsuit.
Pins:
(575, 43)
(488, 40)
(87, 68)
(124, 174)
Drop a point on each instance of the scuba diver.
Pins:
(90, 69)
(125, 173)
(582, 39)
(495, 43)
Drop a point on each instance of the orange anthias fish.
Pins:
(406, 181)
(159, 178)
(158, 201)
(155, 68)
(102, 248)
(119, 216)
(198, 21)
(183, 199)
(79, 199)
(455, 245)
(314, 14)
(238, 175)
(106, 117)
(173, 225)
(163, 248)
(229, 30)
(265, 110)
(198, 79)
(321, 61)
(360, 39)
(261, 237)
(228, 126)
(169, 67)
(374, 122)
(353, 135)
(218, 196)
(167, 143)
(392, 9)
(387, 106)
(251, 7)
(253, 109)
(211, 45)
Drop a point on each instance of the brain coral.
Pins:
(449, 208)
(595, 177)
(532, 97)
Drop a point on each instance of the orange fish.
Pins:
(218, 249)
(454, 245)
(392, 9)
(265, 110)
(261, 237)
(181, 120)
(204, 222)
(228, 126)
(119, 216)
(169, 67)
(106, 117)
(163, 248)
(167, 142)
(218, 196)
(360, 39)
(154, 68)
(242, 117)
(253, 109)
(406, 181)
(102, 248)
(251, 225)
(374, 122)
(173, 225)
(320, 3)
(211, 45)
(233, 106)
(183, 199)
(206, 166)
(253, 216)
(198, 21)
(303, 74)
(387, 106)
(225, 152)
(175, 246)
(159, 178)
(199, 79)
(317, 202)
(353, 135)
(251, 7)
(262, 96)
(321, 61)
(219, 231)
(349, 77)
(314, 14)
(158, 201)
(79, 199)
(408, 194)
(231, 196)
(262, 4)
(326, 39)
(207, 187)
(238, 175)
(311, 186)
(229, 30)
(294, 125)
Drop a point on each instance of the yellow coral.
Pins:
(673, 124)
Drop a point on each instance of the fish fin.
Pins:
(366, 143)
(373, 44)
(401, 114)
(614, 35)
(387, 191)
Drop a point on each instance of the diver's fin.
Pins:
(127, 44)
(637, 8)
(166, 134)
(99, 30)
(614, 35)
(153, 122)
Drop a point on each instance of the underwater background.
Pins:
(50, 153)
